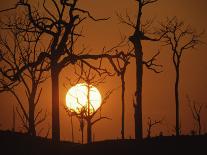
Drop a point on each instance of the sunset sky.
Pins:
(158, 89)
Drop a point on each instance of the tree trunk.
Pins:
(139, 74)
(55, 103)
(82, 136)
(71, 121)
(136, 40)
(89, 131)
(32, 130)
(199, 125)
(123, 105)
(13, 120)
(82, 129)
(149, 131)
(177, 101)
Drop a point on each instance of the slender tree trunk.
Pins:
(199, 126)
(82, 135)
(89, 131)
(13, 120)
(136, 40)
(32, 130)
(89, 125)
(123, 105)
(82, 129)
(139, 74)
(55, 103)
(71, 121)
(149, 131)
(177, 101)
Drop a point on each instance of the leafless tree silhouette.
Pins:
(17, 51)
(71, 114)
(72, 132)
(196, 109)
(152, 123)
(61, 27)
(87, 112)
(80, 116)
(120, 67)
(141, 30)
(180, 38)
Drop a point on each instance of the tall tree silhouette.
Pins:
(196, 109)
(60, 27)
(140, 34)
(80, 116)
(152, 123)
(180, 38)
(87, 112)
(120, 67)
(16, 51)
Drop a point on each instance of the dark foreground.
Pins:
(15, 143)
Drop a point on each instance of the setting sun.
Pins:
(78, 96)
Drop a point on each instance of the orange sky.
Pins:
(158, 101)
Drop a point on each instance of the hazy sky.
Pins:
(158, 101)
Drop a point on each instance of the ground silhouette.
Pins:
(18, 143)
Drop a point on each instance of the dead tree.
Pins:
(70, 114)
(196, 109)
(180, 38)
(87, 112)
(61, 27)
(17, 51)
(152, 123)
(80, 116)
(141, 30)
(120, 67)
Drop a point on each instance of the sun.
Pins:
(78, 96)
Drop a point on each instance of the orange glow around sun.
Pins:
(77, 98)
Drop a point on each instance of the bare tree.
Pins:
(180, 38)
(87, 112)
(71, 114)
(80, 116)
(196, 109)
(17, 51)
(120, 67)
(141, 30)
(61, 26)
(152, 123)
